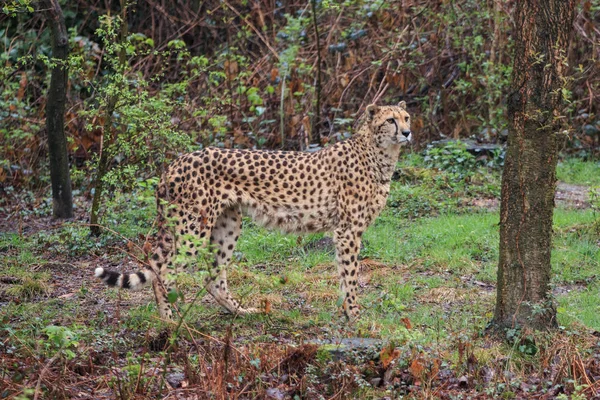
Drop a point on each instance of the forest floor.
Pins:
(427, 290)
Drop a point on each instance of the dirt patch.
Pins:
(567, 195)
(575, 196)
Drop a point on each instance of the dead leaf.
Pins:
(307, 127)
(260, 17)
(406, 322)
(267, 306)
(240, 138)
(274, 74)
(147, 248)
(350, 62)
(22, 86)
(388, 354)
(231, 68)
(344, 80)
(435, 368)
(416, 368)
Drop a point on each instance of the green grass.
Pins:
(446, 247)
(258, 245)
(581, 305)
(426, 282)
(579, 172)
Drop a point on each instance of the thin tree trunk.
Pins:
(541, 35)
(62, 198)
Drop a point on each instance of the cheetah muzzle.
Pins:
(340, 189)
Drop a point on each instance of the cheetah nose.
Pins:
(406, 133)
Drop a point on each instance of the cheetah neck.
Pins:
(381, 160)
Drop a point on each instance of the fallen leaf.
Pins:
(416, 368)
(406, 322)
(147, 247)
(22, 86)
(388, 354)
(435, 368)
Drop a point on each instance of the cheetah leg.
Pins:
(161, 261)
(347, 246)
(224, 236)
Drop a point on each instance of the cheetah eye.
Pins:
(390, 120)
(406, 118)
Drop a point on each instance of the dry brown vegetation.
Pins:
(450, 61)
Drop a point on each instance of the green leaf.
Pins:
(172, 296)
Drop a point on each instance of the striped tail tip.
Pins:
(111, 278)
(126, 281)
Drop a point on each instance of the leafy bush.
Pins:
(453, 157)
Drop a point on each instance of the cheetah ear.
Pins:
(402, 104)
(371, 110)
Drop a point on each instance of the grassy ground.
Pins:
(427, 290)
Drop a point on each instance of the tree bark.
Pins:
(62, 198)
(541, 36)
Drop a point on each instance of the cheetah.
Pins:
(339, 189)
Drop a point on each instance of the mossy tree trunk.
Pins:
(541, 36)
(62, 198)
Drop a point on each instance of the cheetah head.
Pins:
(390, 124)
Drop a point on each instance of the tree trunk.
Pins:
(541, 35)
(62, 198)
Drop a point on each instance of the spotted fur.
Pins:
(339, 189)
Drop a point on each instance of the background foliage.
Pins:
(242, 72)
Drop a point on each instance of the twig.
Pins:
(260, 35)
(317, 116)
(281, 116)
(39, 382)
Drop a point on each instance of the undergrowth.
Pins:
(427, 289)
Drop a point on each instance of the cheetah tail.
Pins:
(126, 281)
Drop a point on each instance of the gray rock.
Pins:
(376, 382)
(348, 349)
(175, 379)
(590, 130)
(276, 394)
